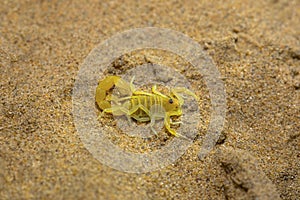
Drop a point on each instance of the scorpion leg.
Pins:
(130, 113)
(154, 116)
(116, 110)
(139, 106)
(155, 91)
(175, 113)
(183, 90)
(141, 119)
(168, 123)
(175, 123)
(152, 123)
(132, 88)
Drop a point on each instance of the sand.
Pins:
(256, 47)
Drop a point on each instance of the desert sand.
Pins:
(254, 44)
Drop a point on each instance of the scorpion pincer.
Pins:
(140, 105)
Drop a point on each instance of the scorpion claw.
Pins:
(175, 123)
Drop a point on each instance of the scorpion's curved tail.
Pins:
(103, 97)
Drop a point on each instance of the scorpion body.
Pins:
(139, 105)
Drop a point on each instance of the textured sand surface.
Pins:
(256, 47)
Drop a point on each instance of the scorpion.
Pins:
(139, 105)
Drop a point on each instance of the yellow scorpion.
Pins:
(140, 105)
